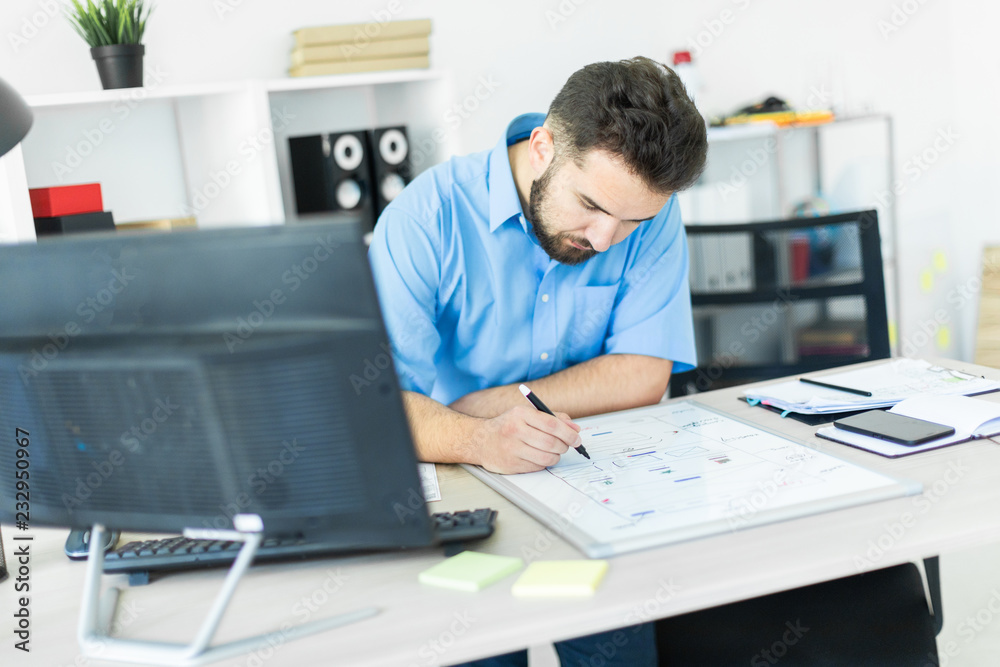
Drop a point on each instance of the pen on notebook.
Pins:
(859, 392)
(537, 402)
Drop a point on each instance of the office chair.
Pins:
(772, 299)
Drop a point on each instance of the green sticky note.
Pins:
(470, 571)
(560, 578)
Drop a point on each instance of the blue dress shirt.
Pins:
(472, 301)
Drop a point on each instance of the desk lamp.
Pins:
(15, 118)
(15, 121)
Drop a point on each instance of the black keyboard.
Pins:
(182, 553)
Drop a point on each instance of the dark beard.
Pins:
(554, 245)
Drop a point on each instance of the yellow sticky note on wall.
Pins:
(561, 578)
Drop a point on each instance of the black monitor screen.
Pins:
(176, 380)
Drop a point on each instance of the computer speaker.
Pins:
(390, 164)
(331, 173)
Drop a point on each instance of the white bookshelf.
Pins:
(216, 151)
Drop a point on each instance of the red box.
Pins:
(66, 200)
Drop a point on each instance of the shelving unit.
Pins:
(217, 152)
(760, 172)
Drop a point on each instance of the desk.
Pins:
(429, 626)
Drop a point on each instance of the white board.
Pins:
(679, 471)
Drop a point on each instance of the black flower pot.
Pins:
(120, 65)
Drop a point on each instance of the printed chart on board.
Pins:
(677, 471)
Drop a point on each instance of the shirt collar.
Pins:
(504, 202)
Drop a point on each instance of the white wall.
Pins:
(932, 65)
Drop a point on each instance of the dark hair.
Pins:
(637, 110)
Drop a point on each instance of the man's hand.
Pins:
(522, 439)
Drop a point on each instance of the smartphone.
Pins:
(895, 428)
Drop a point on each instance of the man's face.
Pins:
(580, 210)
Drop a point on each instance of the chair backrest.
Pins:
(779, 298)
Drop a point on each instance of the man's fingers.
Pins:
(555, 427)
(566, 418)
(538, 457)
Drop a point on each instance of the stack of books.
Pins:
(361, 47)
(841, 338)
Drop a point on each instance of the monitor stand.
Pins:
(95, 619)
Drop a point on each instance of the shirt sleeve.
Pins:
(652, 313)
(407, 269)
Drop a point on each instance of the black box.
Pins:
(70, 224)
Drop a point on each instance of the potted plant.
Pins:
(113, 29)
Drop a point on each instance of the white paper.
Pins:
(429, 481)
(678, 471)
(889, 383)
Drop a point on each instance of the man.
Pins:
(557, 258)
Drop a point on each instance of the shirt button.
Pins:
(545, 298)
(545, 355)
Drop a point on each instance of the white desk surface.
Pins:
(421, 625)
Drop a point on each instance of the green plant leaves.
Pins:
(107, 22)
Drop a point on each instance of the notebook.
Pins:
(971, 418)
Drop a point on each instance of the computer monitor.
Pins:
(172, 381)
